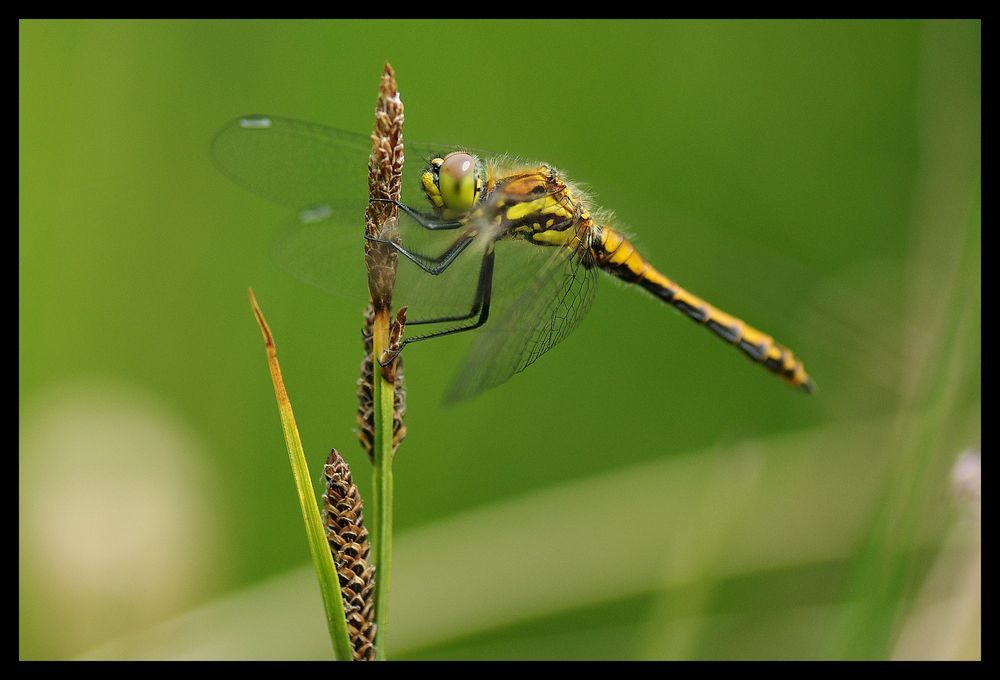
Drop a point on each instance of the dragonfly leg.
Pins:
(431, 265)
(426, 220)
(477, 304)
(484, 292)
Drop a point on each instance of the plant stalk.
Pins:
(382, 481)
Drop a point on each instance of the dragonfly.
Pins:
(508, 249)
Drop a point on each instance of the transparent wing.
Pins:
(328, 255)
(308, 166)
(325, 253)
(541, 314)
(322, 172)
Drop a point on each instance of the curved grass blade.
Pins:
(329, 583)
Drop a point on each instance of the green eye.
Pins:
(458, 181)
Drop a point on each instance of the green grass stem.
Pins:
(382, 495)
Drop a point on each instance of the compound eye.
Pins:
(457, 181)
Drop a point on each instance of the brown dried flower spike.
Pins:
(366, 406)
(385, 172)
(343, 520)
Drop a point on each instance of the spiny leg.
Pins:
(440, 264)
(431, 265)
(476, 306)
(426, 220)
(484, 291)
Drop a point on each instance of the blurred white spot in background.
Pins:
(967, 479)
(946, 619)
(116, 523)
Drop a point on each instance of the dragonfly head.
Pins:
(454, 183)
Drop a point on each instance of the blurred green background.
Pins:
(819, 179)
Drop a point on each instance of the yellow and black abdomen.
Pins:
(616, 255)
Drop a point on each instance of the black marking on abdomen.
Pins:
(727, 333)
(774, 364)
(699, 314)
(755, 352)
(662, 292)
(623, 272)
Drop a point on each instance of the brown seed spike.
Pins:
(385, 172)
(366, 407)
(343, 519)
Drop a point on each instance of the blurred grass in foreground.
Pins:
(505, 581)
